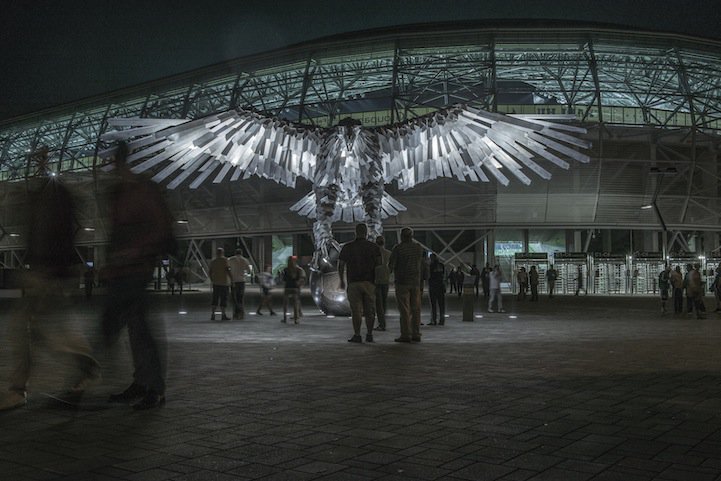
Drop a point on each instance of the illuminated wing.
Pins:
(239, 143)
(464, 142)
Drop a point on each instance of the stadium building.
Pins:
(651, 103)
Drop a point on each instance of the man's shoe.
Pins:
(402, 339)
(133, 392)
(151, 400)
(272, 313)
(258, 313)
(225, 318)
(491, 310)
(380, 328)
(416, 339)
(356, 338)
(212, 317)
(12, 399)
(501, 310)
(369, 337)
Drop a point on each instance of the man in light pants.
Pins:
(406, 264)
(495, 284)
(361, 256)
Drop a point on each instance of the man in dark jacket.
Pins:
(361, 256)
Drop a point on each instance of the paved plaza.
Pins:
(573, 388)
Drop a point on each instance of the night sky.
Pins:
(55, 52)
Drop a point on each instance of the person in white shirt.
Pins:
(267, 282)
(495, 284)
(239, 268)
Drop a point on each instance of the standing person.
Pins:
(405, 263)
(140, 233)
(89, 280)
(486, 280)
(382, 281)
(42, 317)
(460, 275)
(689, 296)
(579, 280)
(239, 268)
(170, 279)
(533, 281)
(476, 278)
(664, 282)
(452, 279)
(695, 291)
(362, 257)
(496, 277)
(551, 276)
(181, 278)
(716, 288)
(522, 277)
(219, 273)
(293, 279)
(267, 282)
(677, 283)
(437, 290)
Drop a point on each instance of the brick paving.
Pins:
(588, 388)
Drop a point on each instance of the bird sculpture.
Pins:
(349, 165)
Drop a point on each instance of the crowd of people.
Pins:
(674, 284)
(365, 268)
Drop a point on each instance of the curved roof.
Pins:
(600, 73)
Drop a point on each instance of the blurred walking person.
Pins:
(141, 233)
(42, 319)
